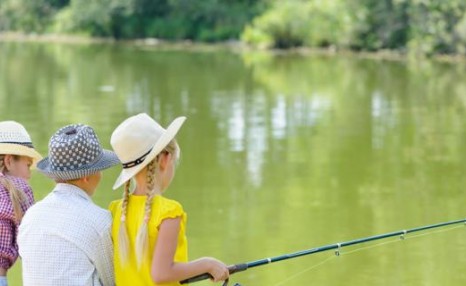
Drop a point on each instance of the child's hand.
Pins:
(217, 269)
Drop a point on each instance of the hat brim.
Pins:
(163, 141)
(20, 150)
(106, 160)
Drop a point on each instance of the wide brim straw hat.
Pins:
(15, 140)
(138, 140)
(75, 152)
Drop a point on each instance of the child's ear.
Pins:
(7, 161)
(164, 159)
(85, 179)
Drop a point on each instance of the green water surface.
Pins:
(280, 153)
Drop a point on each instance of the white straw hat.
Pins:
(15, 140)
(138, 140)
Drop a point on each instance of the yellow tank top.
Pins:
(162, 208)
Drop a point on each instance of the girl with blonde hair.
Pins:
(17, 156)
(150, 246)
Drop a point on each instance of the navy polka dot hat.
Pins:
(75, 152)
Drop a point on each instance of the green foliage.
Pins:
(419, 26)
(416, 26)
(436, 26)
(204, 20)
(297, 23)
(28, 15)
(460, 33)
(82, 15)
(383, 24)
(283, 26)
(207, 20)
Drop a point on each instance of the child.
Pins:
(148, 229)
(65, 239)
(17, 156)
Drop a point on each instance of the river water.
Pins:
(280, 152)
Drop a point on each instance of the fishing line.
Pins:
(306, 270)
(370, 246)
(331, 258)
(436, 231)
(339, 253)
(402, 238)
(327, 260)
(336, 247)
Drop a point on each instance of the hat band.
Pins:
(27, 144)
(137, 161)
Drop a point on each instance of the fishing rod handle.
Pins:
(231, 269)
(197, 278)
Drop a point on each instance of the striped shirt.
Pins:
(65, 240)
(8, 224)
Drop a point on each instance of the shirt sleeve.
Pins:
(8, 225)
(113, 206)
(104, 258)
(172, 209)
(8, 251)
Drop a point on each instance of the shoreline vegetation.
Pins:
(392, 29)
(232, 45)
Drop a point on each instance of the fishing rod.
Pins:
(244, 266)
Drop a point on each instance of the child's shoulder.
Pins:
(17, 180)
(170, 207)
(114, 205)
(169, 202)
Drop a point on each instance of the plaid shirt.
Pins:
(8, 225)
(65, 239)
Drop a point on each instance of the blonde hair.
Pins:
(142, 237)
(17, 196)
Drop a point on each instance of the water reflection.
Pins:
(383, 119)
(279, 153)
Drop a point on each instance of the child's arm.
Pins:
(164, 269)
(8, 252)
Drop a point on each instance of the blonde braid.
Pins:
(142, 238)
(123, 240)
(17, 197)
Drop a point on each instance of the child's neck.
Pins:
(142, 191)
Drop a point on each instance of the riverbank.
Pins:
(233, 45)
